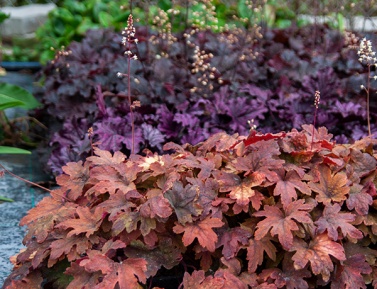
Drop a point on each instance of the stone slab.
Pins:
(356, 23)
(24, 19)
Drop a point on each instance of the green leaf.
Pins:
(105, 19)
(12, 150)
(3, 16)
(85, 25)
(24, 98)
(4, 199)
(283, 23)
(8, 102)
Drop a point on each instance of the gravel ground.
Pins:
(24, 197)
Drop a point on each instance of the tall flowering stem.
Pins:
(367, 56)
(317, 97)
(127, 40)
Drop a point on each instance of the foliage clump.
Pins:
(286, 210)
(199, 84)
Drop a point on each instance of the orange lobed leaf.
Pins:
(103, 157)
(109, 179)
(287, 184)
(126, 274)
(256, 250)
(331, 187)
(75, 178)
(202, 230)
(332, 219)
(283, 223)
(87, 222)
(317, 253)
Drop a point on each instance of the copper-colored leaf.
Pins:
(256, 250)
(126, 274)
(359, 199)
(202, 230)
(282, 223)
(317, 253)
(71, 247)
(287, 184)
(331, 187)
(103, 157)
(109, 179)
(263, 158)
(87, 222)
(333, 219)
(81, 278)
(349, 273)
(75, 178)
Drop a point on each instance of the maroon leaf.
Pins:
(332, 219)
(359, 199)
(255, 252)
(232, 241)
(349, 273)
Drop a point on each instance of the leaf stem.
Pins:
(24, 180)
(367, 90)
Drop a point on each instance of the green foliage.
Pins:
(3, 16)
(12, 150)
(13, 96)
(70, 22)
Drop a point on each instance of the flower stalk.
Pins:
(128, 39)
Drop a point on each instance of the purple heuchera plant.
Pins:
(275, 90)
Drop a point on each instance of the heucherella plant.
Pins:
(368, 57)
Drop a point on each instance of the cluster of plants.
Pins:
(286, 210)
(192, 86)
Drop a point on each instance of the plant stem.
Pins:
(24, 180)
(131, 108)
(315, 116)
(367, 90)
